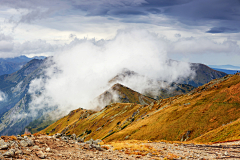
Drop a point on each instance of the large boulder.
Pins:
(1, 156)
(65, 138)
(79, 139)
(89, 141)
(97, 147)
(57, 135)
(18, 152)
(26, 143)
(10, 153)
(20, 138)
(40, 154)
(73, 136)
(3, 144)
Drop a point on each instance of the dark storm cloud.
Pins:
(125, 7)
(32, 4)
(205, 9)
(221, 16)
(109, 8)
(154, 10)
(222, 30)
(165, 3)
(35, 9)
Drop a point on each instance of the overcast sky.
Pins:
(203, 31)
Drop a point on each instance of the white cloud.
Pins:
(85, 69)
(193, 45)
(6, 46)
(3, 96)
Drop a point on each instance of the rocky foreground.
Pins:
(63, 147)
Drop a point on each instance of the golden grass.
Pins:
(227, 132)
(200, 116)
(134, 147)
(206, 109)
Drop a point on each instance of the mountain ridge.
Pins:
(11, 65)
(183, 117)
(16, 86)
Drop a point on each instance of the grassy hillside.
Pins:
(68, 122)
(119, 93)
(228, 132)
(183, 117)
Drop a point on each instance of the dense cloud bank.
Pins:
(220, 16)
(181, 46)
(82, 72)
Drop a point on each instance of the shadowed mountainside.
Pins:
(204, 74)
(160, 90)
(14, 109)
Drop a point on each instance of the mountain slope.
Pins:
(204, 74)
(120, 94)
(14, 109)
(171, 90)
(123, 94)
(183, 117)
(16, 85)
(155, 89)
(117, 93)
(228, 132)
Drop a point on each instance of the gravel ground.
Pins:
(48, 147)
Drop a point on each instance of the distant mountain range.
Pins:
(10, 65)
(229, 69)
(15, 86)
(226, 71)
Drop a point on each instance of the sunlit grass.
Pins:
(208, 108)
